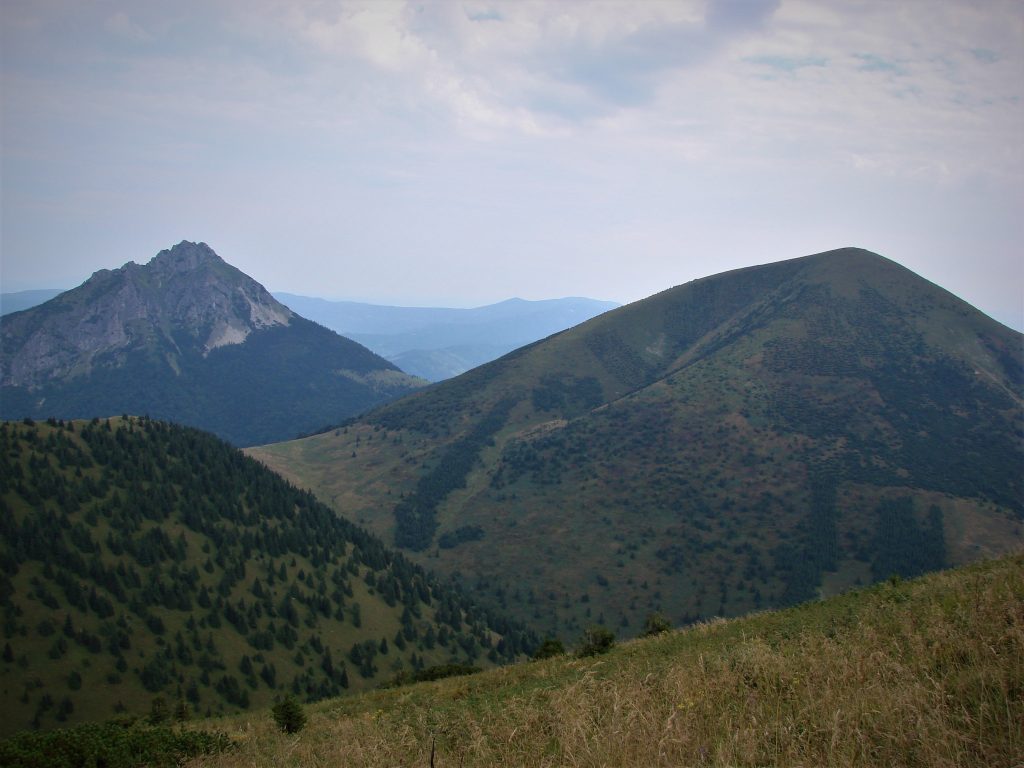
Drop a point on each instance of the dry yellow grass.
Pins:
(924, 673)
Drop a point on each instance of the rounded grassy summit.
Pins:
(746, 440)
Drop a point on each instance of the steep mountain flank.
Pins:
(187, 337)
(745, 440)
(140, 559)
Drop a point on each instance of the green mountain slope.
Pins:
(927, 673)
(745, 440)
(188, 338)
(141, 559)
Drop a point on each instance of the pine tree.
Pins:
(288, 715)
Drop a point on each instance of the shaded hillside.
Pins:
(141, 559)
(190, 339)
(927, 673)
(438, 343)
(742, 441)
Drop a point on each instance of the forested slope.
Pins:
(142, 559)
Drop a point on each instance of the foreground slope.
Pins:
(927, 673)
(745, 440)
(189, 338)
(142, 559)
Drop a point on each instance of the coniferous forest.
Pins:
(144, 562)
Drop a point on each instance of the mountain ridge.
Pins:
(727, 444)
(146, 301)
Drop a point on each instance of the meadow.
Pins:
(928, 672)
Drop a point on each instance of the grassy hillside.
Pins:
(925, 673)
(140, 559)
(746, 440)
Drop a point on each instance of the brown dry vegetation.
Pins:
(922, 673)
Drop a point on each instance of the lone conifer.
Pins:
(288, 715)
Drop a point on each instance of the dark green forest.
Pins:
(416, 515)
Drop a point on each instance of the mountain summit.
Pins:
(190, 338)
(186, 299)
(748, 439)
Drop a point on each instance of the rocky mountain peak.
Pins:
(183, 258)
(185, 299)
(187, 337)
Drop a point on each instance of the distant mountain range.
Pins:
(187, 337)
(746, 440)
(439, 343)
(433, 343)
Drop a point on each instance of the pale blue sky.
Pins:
(462, 153)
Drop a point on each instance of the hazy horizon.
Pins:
(462, 153)
(1009, 322)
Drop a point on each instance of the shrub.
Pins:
(549, 648)
(437, 672)
(655, 624)
(595, 641)
(288, 715)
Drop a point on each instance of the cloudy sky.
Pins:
(465, 152)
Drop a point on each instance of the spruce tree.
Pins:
(288, 715)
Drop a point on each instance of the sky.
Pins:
(462, 153)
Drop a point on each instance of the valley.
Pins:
(437, 343)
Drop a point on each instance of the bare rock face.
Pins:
(185, 296)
